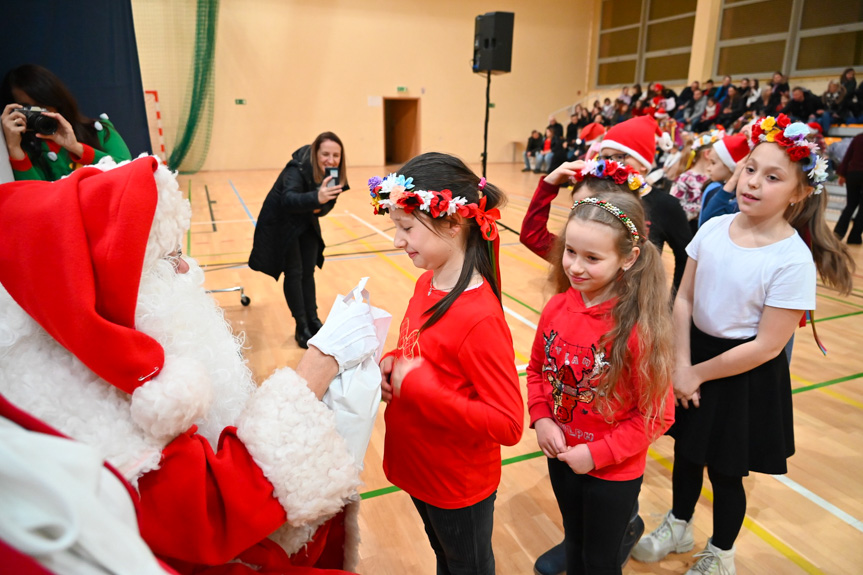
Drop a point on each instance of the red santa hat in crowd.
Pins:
(639, 138)
(72, 257)
(590, 133)
(731, 149)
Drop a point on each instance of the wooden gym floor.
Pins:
(808, 521)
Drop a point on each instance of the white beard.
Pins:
(44, 379)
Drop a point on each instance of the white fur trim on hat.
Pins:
(292, 437)
(665, 142)
(606, 143)
(169, 404)
(724, 155)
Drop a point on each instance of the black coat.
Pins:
(287, 213)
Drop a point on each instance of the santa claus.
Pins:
(107, 335)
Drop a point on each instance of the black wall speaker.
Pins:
(492, 44)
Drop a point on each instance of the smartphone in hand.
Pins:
(334, 173)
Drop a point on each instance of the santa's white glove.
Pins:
(348, 335)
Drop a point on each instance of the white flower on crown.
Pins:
(589, 167)
(455, 204)
(426, 198)
(388, 183)
(818, 174)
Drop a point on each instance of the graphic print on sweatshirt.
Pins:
(573, 372)
(409, 340)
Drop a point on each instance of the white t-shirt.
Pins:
(733, 284)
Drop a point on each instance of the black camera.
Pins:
(36, 122)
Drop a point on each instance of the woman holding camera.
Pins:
(47, 137)
(288, 235)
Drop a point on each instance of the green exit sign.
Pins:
(240, 102)
(402, 89)
(491, 104)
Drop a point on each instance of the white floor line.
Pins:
(521, 367)
(368, 225)
(520, 318)
(820, 502)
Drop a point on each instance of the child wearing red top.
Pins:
(599, 377)
(451, 385)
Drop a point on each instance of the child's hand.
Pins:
(578, 458)
(564, 172)
(386, 371)
(686, 383)
(731, 184)
(400, 370)
(549, 437)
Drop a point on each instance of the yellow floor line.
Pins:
(834, 394)
(750, 524)
(530, 262)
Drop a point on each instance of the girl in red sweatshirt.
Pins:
(451, 384)
(599, 377)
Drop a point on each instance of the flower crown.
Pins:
(396, 192)
(611, 170)
(707, 138)
(614, 211)
(792, 136)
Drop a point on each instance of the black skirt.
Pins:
(744, 422)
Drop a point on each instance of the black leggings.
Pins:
(729, 499)
(299, 286)
(596, 514)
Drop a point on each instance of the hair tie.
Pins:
(614, 211)
(481, 184)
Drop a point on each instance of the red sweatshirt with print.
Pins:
(444, 431)
(565, 363)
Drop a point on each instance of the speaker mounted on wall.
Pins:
(492, 45)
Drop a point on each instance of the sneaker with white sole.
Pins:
(713, 561)
(672, 536)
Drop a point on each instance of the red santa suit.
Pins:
(232, 478)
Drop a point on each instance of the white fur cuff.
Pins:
(293, 439)
(171, 402)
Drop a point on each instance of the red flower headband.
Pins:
(396, 192)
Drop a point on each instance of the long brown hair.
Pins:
(642, 307)
(317, 172)
(832, 258)
(436, 171)
(48, 91)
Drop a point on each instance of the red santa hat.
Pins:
(72, 254)
(732, 149)
(816, 128)
(639, 138)
(590, 133)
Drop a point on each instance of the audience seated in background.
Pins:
(534, 147)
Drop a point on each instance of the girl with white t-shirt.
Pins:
(749, 278)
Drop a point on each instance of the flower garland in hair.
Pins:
(614, 211)
(611, 170)
(792, 136)
(397, 192)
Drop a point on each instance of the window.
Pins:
(799, 37)
(643, 41)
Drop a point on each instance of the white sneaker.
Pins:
(672, 536)
(713, 561)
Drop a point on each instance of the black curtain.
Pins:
(90, 45)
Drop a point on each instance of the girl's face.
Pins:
(717, 170)
(329, 154)
(426, 249)
(591, 260)
(769, 182)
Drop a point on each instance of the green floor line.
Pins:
(535, 454)
(836, 299)
(522, 303)
(832, 317)
(827, 383)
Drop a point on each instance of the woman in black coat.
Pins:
(288, 235)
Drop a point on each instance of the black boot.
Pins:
(302, 334)
(552, 562)
(315, 323)
(634, 531)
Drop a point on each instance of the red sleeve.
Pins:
(534, 229)
(87, 156)
(538, 388)
(496, 409)
(21, 165)
(206, 507)
(632, 436)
